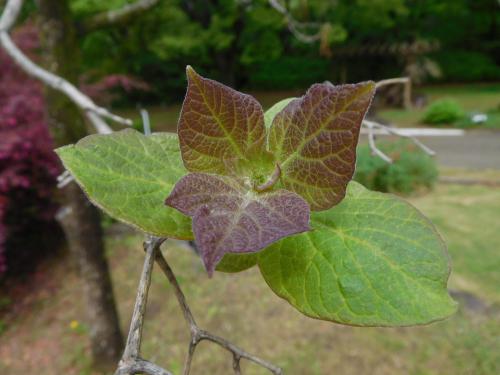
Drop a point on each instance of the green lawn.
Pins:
(241, 307)
(472, 98)
(164, 118)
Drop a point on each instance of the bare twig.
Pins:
(373, 146)
(392, 81)
(94, 113)
(131, 361)
(405, 81)
(132, 348)
(10, 14)
(371, 126)
(116, 16)
(417, 132)
(141, 366)
(198, 335)
(64, 179)
(295, 26)
(146, 123)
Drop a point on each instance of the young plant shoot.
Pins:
(274, 190)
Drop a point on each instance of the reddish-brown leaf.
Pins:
(229, 217)
(218, 124)
(314, 140)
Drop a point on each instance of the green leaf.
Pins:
(274, 110)
(219, 125)
(229, 217)
(233, 263)
(314, 141)
(129, 175)
(373, 260)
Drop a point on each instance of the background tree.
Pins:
(58, 30)
(249, 44)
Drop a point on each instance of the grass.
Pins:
(472, 98)
(45, 337)
(164, 118)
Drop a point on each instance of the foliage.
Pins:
(444, 111)
(108, 89)
(369, 258)
(287, 72)
(467, 66)
(248, 44)
(412, 170)
(473, 98)
(142, 188)
(28, 167)
(372, 252)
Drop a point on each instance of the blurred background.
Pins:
(447, 51)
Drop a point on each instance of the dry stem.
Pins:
(131, 361)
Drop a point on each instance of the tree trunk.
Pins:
(80, 220)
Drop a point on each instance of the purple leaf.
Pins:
(218, 123)
(314, 141)
(229, 217)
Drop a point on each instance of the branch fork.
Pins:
(132, 363)
(95, 114)
(372, 125)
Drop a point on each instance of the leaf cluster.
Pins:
(274, 189)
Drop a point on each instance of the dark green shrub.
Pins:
(411, 171)
(466, 66)
(444, 111)
(288, 73)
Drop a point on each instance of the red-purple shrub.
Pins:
(108, 89)
(28, 166)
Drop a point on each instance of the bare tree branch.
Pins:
(295, 26)
(131, 361)
(133, 346)
(198, 335)
(116, 16)
(10, 14)
(141, 366)
(373, 146)
(372, 125)
(94, 113)
(406, 82)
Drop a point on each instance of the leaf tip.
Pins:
(61, 150)
(190, 72)
(371, 86)
(168, 201)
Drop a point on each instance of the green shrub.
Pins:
(444, 111)
(466, 66)
(412, 169)
(288, 73)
